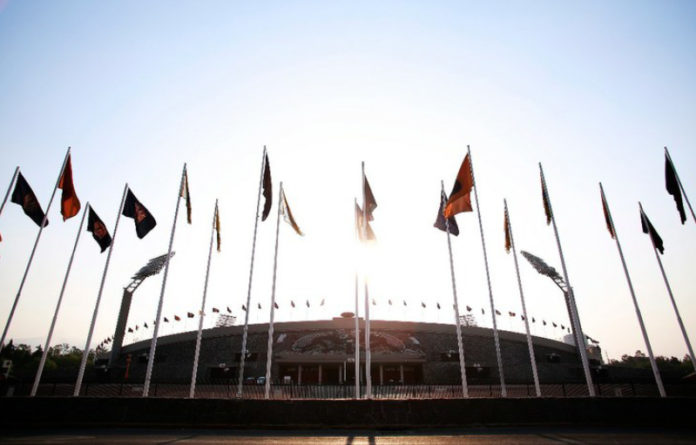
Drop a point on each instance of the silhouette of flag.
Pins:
(533, 320)
(136, 327)
(177, 318)
(389, 301)
(244, 308)
(460, 198)
(554, 324)
(184, 193)
(438, 306)
(146, 326)
(374, 303)
(130, 329)
(563, 327)
(189, 314)
(307, 302)
(292, 303)
(144, 221)
(508, 236)
(217, 226)
(497, 312)
(422, 305)
(672, 184)
(547, 204)
(229, 311)
(98, 229)
(267, 189)
(322, 302)
(370, 202)
(25, 197)
(258, 305)
(544, 321)
(483, 312)
(216, 310)
(607, 216)
(522, 317)
(442, 223)
(405, 303)
(649, 229)
(69, 203)
(287, 215)
(512, 314)
(275, 305)
(468, 308)
(166, 320)
(369, 235)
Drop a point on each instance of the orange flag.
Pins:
(70, 204)
(460, 199)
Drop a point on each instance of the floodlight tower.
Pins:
(153, 267)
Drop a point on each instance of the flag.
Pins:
(554, 324)
(217, 226)
(307, 302)
(533, 320)
(216, 310)
(468, 308)
(607, 216)
(508, 235)
(177, 318)
(146, 326)
(259, 305)
(547, 203)
(497, 312)
(144, 221)
(287, 215)
(275, 305)
(563, 327)
(189, 314)
(322, 302)
(672, 184)
(460, 198)
(130, 329)
(244, 308)
(369, 235)
(648, 228)
(422, 305)
(267, 189)
(184, 193)
(512, 314)
(441, 223)
(98, 229)
(69, 203)
(24, 196)
(483, 312)
(389, 301)
(166, 320)
(292, 303)
(374, 303)
(405, 303)
(136, 327)
(370, 203)
(544, 321)
(229, 311)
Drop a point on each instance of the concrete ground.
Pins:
(497, 436)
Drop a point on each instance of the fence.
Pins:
(328, 392)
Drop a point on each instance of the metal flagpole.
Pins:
(532, 357)
(85, 353)
(671, 297)
(269, 349)
(574, 317)
(457, 321)
(368, 357)
(496, 338)
(39, 371)
(9, 189)
(251, 272)
(153, 343)
(33, 251)
(678, 181)
(200, 322)
(653, 363)
(357, 320)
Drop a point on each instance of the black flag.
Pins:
(673, 188)
(370, 203)
(144, 221)
(649, 229)
(440, 220)
(267, 189)
(24, 196)
(98, 229)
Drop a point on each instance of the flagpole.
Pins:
(357, 321)
(200, 322)
(532, 357)
(153, 343)
(251, 272)
(671, 297)
(368, 356)
(572, 308)
(33, 251)
(501, 373)
(457, 321)
(678, 181)
(85, 353)
(653, 363)
(269, 349)
(9, 188)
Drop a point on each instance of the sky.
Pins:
(592, 90)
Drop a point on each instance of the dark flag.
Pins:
(554, 324)
(308, 302)
(166, 320)
(389, 301)
(69, 203)
(130, 329)
(547, 204)
(648, 228)
(322, 302)
(24, 196)
(267, 189)
(544, 322)
(374, 303)
(468, 308)
(563, 327)
(189, 314)
(287, 215)
(184, 193)
(144, 221)
(497, 312)
(512, 314)
(244, 308)
(275, 305)
(441, 223)
(136, 327)
(229, 311)
(370, 202)
(483, 312)
(292, 303)
(217, 226)
(405, 303)
(216, 310)
(369, 234)
(258, 305)
(98, 229)
(146, 326)
(460, 198)
(522, 316)
(533, 320)
(673, 188)
(607, 216)
(422, 305)
(177, 318)
(508, 236)
(438, 306)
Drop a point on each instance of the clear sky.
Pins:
(593, 90)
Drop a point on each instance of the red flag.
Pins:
(508, 237)
(70, 204)
(460, 198)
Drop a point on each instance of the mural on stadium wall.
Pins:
(341, 341)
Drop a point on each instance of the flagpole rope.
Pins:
(33, 251)
(85, 352)
(153, 343)
(251, 273)
(9, 188)
(572, 308)
(457, 321)
(532, 357)
(39, 371)
(269, 348)
(496, 338)
(639, 315)
(194, 373)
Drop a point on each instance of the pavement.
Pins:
(497, 436)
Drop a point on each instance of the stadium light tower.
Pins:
(153, 267)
